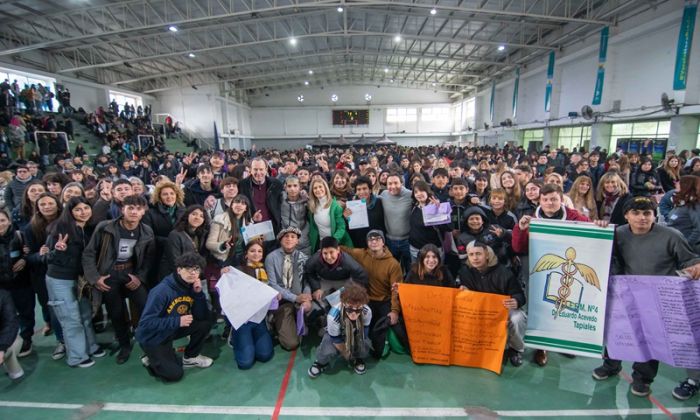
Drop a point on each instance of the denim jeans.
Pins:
(401, 251)
(251, 342)
(75, 317)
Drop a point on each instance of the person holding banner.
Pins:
(176, 307)
(252, 341)
(346, 332)
(483, 273)
(643, 247)
(428, 269)
(551, 207)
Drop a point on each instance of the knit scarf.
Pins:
(354, 333)
(259, 269)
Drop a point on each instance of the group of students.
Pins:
(152, 253)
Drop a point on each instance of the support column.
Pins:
(600, 136)
(684, 133)
(551, 137)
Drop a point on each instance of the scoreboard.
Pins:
(351, 117)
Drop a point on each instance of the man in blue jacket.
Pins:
(175, 308)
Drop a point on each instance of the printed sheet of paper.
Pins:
(358, 219)
(654, 317)
(244, 298)
(452, 327)
(437, 215)
(263, 229)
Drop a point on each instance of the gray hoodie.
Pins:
(296, 214)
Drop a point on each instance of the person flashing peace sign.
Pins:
(67, 238)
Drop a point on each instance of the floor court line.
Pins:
(650, 397)
(283, 386)
(416, 412)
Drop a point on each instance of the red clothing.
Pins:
(260, 200)
(520, 237)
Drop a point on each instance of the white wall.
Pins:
(640, 64)
(347, 96)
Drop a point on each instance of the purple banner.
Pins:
(654, 317)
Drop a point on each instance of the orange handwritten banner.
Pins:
(452, 327)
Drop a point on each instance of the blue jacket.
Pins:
(166, 303)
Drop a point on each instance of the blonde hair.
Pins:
(313, 201)
(587, 200)
(610, 176)
(179, 193)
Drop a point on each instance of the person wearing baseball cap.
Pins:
(383, 271)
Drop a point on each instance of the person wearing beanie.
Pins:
(483, 273)
(384, 271)
(644, 248)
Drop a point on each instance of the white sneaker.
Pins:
(197, 361)
(59, 352)
(16, 375)
(145, 361)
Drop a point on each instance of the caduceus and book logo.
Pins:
(568, 291)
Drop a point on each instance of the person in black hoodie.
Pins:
(176, 308)
(329, 268)
(483, 273)
(477, 227)
(12, 263)
(644, 181)
(166, 208)
(69, 298)
(189, 235)
(375, 212)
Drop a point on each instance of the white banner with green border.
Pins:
(569, 269)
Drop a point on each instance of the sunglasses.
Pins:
(352, 310)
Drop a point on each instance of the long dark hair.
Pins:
(65, 224)
(39, 222)
(27, 207)
(183, 223)
(419, 265)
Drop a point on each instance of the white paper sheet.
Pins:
(358, 219)
(258, 229)
(244, 298)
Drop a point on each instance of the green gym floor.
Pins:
(392, 388)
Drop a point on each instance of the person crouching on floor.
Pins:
(346, 332)
(175, 308)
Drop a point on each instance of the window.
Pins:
(570, 137)
(396, 115)
(468, 116)
(435, 114)
(533, 136)
(123, 98)
(642, 129)
(27, 79)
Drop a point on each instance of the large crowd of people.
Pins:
(141, 239)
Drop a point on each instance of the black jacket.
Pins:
(618, 216)
(273, 200)
(375, 214)
(420, 234)
(431, 279)
(68, 264)
(317, 269)
(159, 220)
(10, 252)
(9, 325)
(497, 279)
(524, 208)
(178, 243)
(194, 194)
(143, 251)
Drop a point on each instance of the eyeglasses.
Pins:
(351, 310)
(191, 270)
(374, 239)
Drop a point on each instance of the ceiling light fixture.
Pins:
(311, 72)
(292, 41)
(397, 38)
(386, 70)
(433, 11)
(306, 83)
(391, 80)
(368, 97)
(339, 9)
(173, 29)
(300, 98)
(334, 98)
(191, 55)
(434, 84)
(501, 47)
